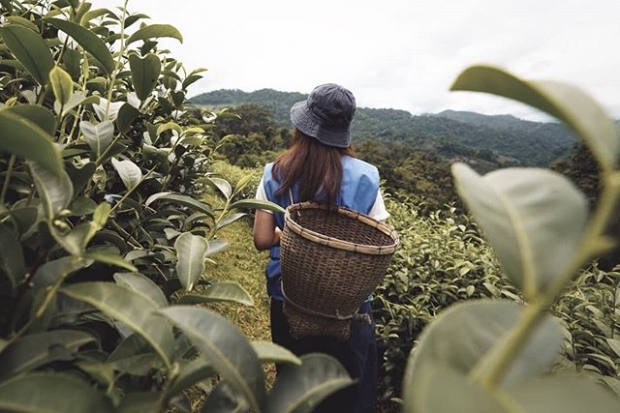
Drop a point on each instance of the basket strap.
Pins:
(363, 318)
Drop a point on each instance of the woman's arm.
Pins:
(266, 234)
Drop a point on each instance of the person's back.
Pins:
(320, 167)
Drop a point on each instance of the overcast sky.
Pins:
(401, 54)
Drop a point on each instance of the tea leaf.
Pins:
(155, 31)
(299, 388)
(219, 292)
(145, 73)
(62, 85)
(22, 137)
(130, 308)
(45, 392)
(30, 50)
(88, 40)
(524, 212)
(191, 253)
(269, 352)
(223, 344)
(130, 173)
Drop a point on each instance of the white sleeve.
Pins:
(261, 195)
(378, 210)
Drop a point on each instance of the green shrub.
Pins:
(104, 233)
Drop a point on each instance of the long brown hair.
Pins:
(317, 168)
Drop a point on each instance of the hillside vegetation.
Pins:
(493, 141)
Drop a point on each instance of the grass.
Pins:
(243, 264)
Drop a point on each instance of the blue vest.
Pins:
(358, 191)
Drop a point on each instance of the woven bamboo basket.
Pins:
(331, 259)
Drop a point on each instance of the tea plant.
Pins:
(441, 261)
(497, 355)
(104, 233)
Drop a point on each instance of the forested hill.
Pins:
(449, 134)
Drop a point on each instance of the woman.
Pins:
(320, 167)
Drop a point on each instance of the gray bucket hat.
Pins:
(326, 115)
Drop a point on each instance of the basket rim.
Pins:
(340, 244)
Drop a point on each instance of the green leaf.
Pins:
(466, 396)
(230, 219)
(567, 103)
(226, 348)
(30, 50)
(132, 309)
(564, 394)
(196, 370)
(62, 85)
(55, 190)
(48, 393)
(35, 350)
(219, 292)
(145, 73)
(191, 250)
(269, 352)
(256, 204)
(53, 271)
(189, 80)
(533, 218)
(222, 185)
(99, 136)
(22, 22)
(80, 175)
(298, 389)
(182, 200)
(155, 31)
(88, 40)
(111, 259)
(127, 114)
(465, 339)
(12, 257)
(77, 239)
(36, 114)
(22, 137)
(142, 285)
(614, 344)
(77, 99)
(130, 173)
(216, 246)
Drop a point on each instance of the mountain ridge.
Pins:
(446, 133)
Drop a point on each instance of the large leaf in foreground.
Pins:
(26, 139)
(564, 394)
(225, 347)
(130, 308)
(35, 350)
(299, 388)
(464, 341)
(533, 218)
(565, 102)
(29, 48)
(51, 393)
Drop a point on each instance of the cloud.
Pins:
(401, 54)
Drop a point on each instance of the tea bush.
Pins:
(442, 260)
(104, 230)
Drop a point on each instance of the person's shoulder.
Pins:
(359, 164)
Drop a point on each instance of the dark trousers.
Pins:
(358, 355)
